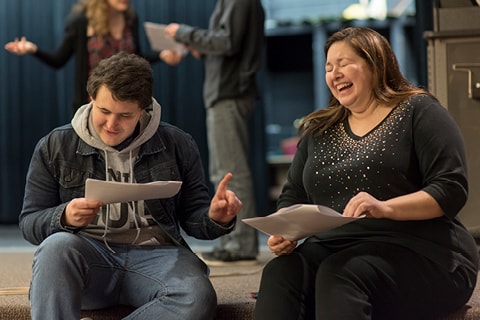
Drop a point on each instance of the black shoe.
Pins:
(224, 258)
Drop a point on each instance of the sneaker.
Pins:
(224, 258)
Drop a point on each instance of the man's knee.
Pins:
(57, 248)
(60, 241)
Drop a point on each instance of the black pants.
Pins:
(369, 280)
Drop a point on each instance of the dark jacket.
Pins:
(232, 49)
(61, 163)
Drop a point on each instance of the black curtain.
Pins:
(35, 98)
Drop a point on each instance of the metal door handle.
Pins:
(473, 86)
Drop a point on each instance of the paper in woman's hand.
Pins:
(118, 192)
(159, 40)
(299, 221)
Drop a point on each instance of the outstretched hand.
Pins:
(21, 47)
(225, 205)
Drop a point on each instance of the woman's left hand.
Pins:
(363, 204)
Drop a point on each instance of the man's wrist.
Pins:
(67, 227)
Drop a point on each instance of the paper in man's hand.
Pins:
(159, 40)
(119, 192)
(299, 221)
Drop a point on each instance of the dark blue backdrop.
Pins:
(35, 98)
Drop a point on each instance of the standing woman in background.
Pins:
(95, 30)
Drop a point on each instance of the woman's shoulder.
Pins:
(425, 107)
(76, 18)
(422, 103)
(423, 99)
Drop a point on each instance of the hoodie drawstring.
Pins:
(134, 207)
(107, 210)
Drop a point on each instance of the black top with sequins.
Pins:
(418, 146)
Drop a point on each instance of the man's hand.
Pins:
(171, 57)
(225, 205)
(80, 212)
(195, 53)
(172, 29)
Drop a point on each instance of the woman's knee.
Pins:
(338, 270)
(283, 273)
(282, 265)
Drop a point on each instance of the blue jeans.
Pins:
(228, 146)
(72, 272)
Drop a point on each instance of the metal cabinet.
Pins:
(454, 77)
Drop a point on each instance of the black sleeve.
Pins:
(76, 24)
(440, 150)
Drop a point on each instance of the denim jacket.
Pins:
(61, 163)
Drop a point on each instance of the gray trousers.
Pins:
(228, 146)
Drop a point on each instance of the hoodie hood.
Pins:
(117, 222)
(149, 121)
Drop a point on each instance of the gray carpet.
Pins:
(232, 284)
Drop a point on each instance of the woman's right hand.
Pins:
(280, 246)
(21, 47)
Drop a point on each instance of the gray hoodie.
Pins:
(126, 223)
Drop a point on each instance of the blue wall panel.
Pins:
(35, 98)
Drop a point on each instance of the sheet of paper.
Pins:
(114, 192)
(159, 40)
(299, 221)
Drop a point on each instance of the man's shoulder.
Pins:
(64, 132)
(171, 129)
(64, 129)
(173, 135)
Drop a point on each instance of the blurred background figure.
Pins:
(231, 50)
(95, 30)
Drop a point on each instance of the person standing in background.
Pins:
(95, 30)
(231, 49)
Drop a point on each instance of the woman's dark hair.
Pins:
(389, 85)
(127, 76)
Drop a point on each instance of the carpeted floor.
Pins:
(232, 284)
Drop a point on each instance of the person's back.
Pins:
(231, 49)
(232, 65)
